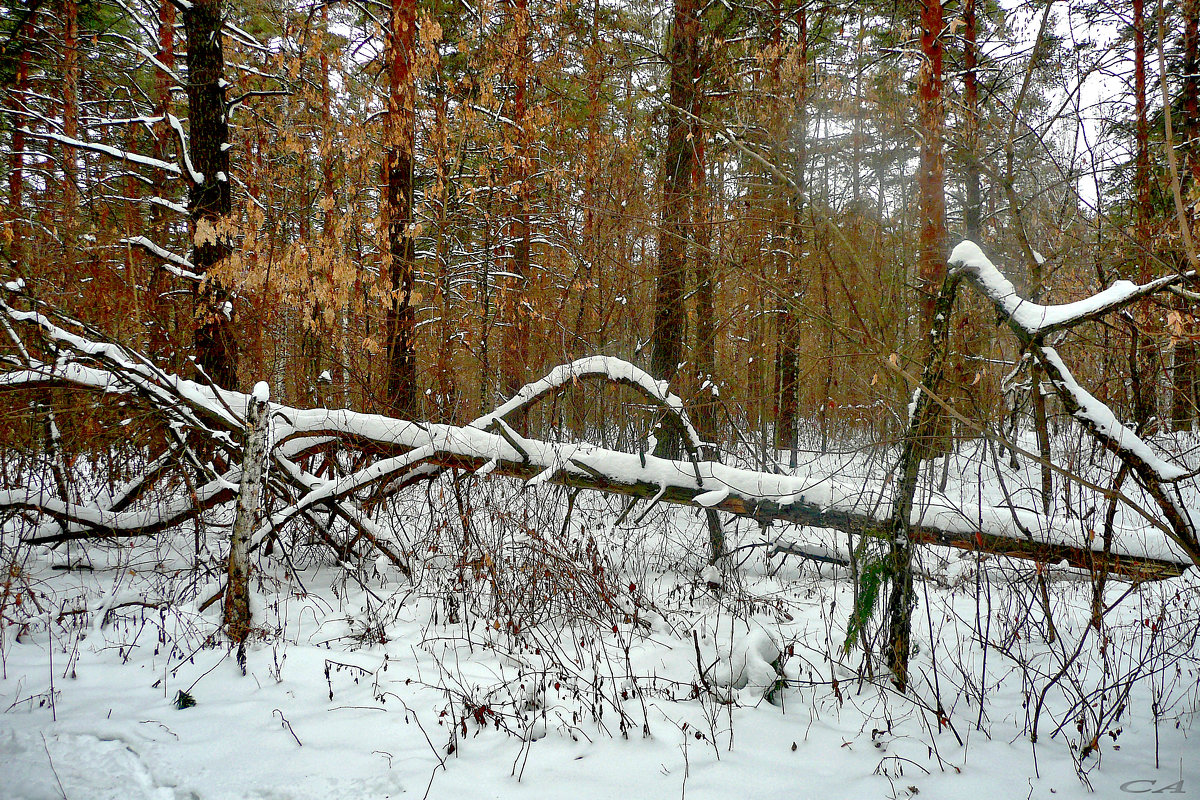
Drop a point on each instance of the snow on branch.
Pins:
(196, 176)
(1032, 320)
(176, 265)
(598, 368)
(121, 155)
(79, 521)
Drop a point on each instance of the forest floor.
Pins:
(579, 660)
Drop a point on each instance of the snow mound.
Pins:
(742, 658)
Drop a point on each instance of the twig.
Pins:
(287, 725)
(53, 771)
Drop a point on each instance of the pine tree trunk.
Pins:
(704, 405)
(931, 179)
(931, 267)
(972, 213)
(70, 89)
(209, 201)
(791, 250)
(400, 323)
(669, 318)
(922, 436)
(159, 309)
(1145, 377)
(16, 174)
(515, 297)
(1184, 398)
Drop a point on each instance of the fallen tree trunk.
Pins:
(406, 452)
(1137, 567)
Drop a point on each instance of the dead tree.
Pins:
(237, 587)
(398, 453)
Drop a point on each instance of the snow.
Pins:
(712, 498)
(327, 709)
(639, 670)
(595, 367)
(1034, 319)
(1101, 417)
(261, 392)
(185, 152)
(176, 265)
(122, 155)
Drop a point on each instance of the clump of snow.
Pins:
(262, 392)
(712, 498)
(742, 657)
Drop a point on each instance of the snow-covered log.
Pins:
(404, 451)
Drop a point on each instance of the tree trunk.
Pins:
(515, 297)
(16, 175)
(972, 213)
(209, 200)
(1145, 377)
(70, 90)
(237, 589)
(667, 338)
(400, 324)
(791, 209)
(704, 404)
(931, 266)
(441, 155)
(918, 441)
(159, 308)
(931, 180)
(1184, 398)
(329, 226)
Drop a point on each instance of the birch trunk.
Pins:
(237, 590)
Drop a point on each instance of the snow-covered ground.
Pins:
(580, 660)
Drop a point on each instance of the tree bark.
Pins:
(667, 338)
(16, 175)
(918, 441)
(515, 298)
(70, 89)
(931, 180)
(209, 200)
(972, 213)
(400, 323)
(329, 228)
(1184, 398)
(237, 589)
(1145, 372)
(704, 405)
(160, 344)
(791, 209)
